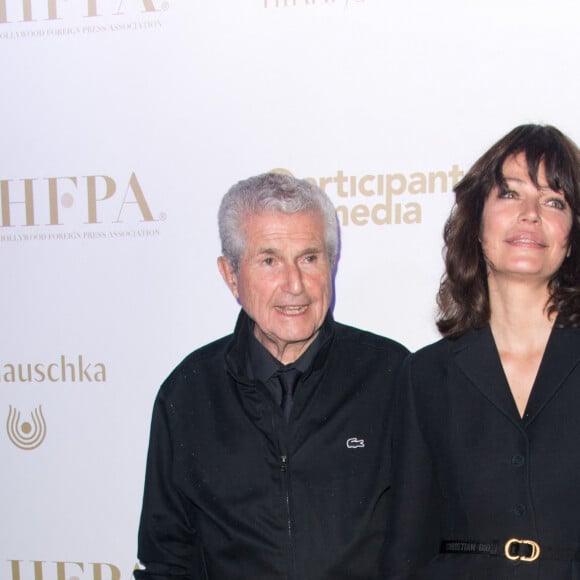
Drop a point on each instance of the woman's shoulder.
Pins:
(438, 354)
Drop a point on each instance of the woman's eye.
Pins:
(557, 203)
(508, 193)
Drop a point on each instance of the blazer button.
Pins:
(519, 509)
(518, 460)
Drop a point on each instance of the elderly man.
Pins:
(269, 455)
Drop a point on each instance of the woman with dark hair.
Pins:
(487, 448)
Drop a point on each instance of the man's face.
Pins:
(284, 283)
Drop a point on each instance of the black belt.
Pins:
(513, 549)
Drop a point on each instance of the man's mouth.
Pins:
(292, 310)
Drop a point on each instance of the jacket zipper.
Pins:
(284, 470)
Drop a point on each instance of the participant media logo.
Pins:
(384, 199)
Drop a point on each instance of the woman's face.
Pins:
(525, 229)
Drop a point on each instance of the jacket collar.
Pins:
(561, 357)
(477, 356)
(238, 351)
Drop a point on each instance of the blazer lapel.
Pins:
(477, 357)
(561, 356)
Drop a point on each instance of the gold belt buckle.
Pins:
(533, 556)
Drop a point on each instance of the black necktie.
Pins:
(288, 379)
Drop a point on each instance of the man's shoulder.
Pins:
(357, 339)
(199, 365)
(208, 351)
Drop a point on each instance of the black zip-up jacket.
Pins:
(233, 492)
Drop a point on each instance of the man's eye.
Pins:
(268, 261)
(311, 258)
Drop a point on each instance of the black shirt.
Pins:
(264, 367)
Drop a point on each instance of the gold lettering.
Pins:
(15, 569)
(418, 183)
(9, 373)
(148, 5)
(362, 185)
(380, 214)
(52, 10)
(6, 203)
(53, 198)
(39, 372)
(140, 200)
(442, 176)
(342, 213)
(98, 573)
(413, 213)
(380, 184)
(63, 368)
(27, 10)
(352, 186)
(400, 179)
(324, 181)
(340, 180)
(49, 372)
(455, 175)
(110, 189)
(359, 215)
(100, 374)
(29, 202)
(60, 569)
(383, 208)
(92, 8)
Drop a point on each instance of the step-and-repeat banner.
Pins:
(125, 121)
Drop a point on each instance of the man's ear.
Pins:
(229, 275)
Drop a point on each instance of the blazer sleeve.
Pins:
(414, 530)
(166, 540)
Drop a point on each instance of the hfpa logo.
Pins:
(44, 10)
(56, 201)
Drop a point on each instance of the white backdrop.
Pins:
(125, 121)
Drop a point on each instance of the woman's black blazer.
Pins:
(467, 468)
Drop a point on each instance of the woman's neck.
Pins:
(519, 314)
(521, 327)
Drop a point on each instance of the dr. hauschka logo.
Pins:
(49, 18)
(43, 208)
(60, 570)
(384, 198)
(26, 435)
(27, 428)
(64, 370)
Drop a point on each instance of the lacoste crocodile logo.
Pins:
(354, 443)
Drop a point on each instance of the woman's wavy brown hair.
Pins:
(463, 293)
